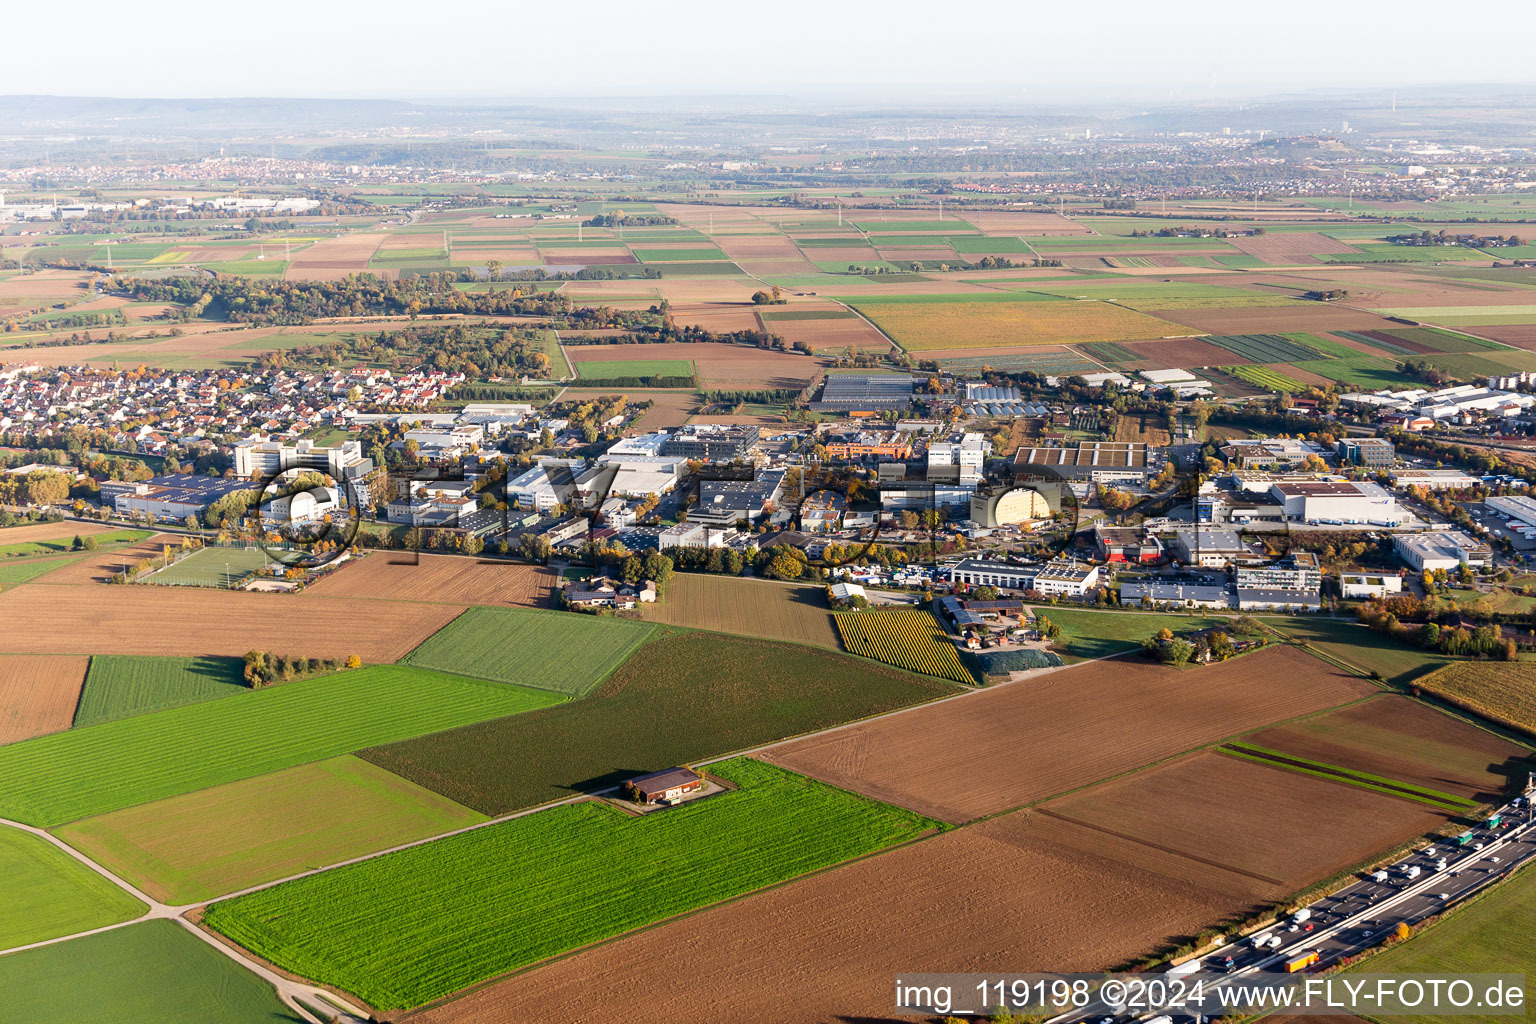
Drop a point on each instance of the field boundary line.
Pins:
(1047, 812)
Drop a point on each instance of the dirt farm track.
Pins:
(1026, 741)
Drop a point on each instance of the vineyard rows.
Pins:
(906, 639)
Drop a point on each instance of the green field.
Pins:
(1099, 634)
(47, 893)
(22, 570)
(414, 926)
(212, 567)
(100, 768)
(1264, 377)
(1491, 933)
(684, 697)
(559, 651)
(676, 255)
(1363, 648)
(120, 686)
(197, 846)
(1363, 372)
(1263, 348)
(156, 972)
(65, 544)
(608, 369)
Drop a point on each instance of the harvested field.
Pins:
(1291, 246)
(1300, 317)
(996, 222)
(1182, 353)
(926, 325)
(774, 611)
(726, 367)
(1026, 741)
(1235, 800)
(49, 619)
(101, 566)
(332, 259)
(720, 317)
(38, 694)
(835, 333)
(398, 576)
(1518, 335)
(1499, 692)
(840, 934)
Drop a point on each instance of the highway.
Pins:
(1362, 914)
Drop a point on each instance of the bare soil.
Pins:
(38, 694)
(1026, 741)
(396, 576)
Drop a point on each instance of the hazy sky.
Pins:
(1011, 49)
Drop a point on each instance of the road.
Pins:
(1360, 915)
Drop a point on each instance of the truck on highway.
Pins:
(1301, 962)
(1379, 876)
(1465, 838)
(1301, 915)
(1494, 821)
(1411, 871)
(1187, 967)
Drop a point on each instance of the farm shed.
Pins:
(666, 785)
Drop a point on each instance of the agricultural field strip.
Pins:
(1348, 776)
(485, 921)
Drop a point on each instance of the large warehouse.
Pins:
(1519, 507)
(1337, 501)
(169, 498)
(1099, 461)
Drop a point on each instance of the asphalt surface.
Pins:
(1362, 914)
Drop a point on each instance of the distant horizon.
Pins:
(1195, 51)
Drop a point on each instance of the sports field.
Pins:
(155, 971)
(69, 775)
(200, 845)
(555, 651)
(212, 567)
(47, 893)
(121, 686)
(416, 925)
(684, 696)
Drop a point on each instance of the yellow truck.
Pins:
(1300, 962)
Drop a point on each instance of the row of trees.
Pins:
(263, 668)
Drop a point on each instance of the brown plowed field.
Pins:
(1290, 247)
(332, 259)
(1183, 353)
(1026, 741)
(1297, 373)
(1020, 892)
(393, 576)
(668, 408)
(189, 621)
(775, 611)
(1518, 335)
(718, 365)
(38, 694)
(1398, 738)
(1213, 809)
(717, 316)
(837, 333)
(1001, 222)
(1302, 317)
(101, 566)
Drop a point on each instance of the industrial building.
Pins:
(1354, 586)
(1161, 592)
(1297, 571)
(1207, 547)
(1441, 549)
(1517, 508)
(728, 502)
(1065, 577)
(1124, 544)
(860, 392)
(1367, 452)
(1337, 502)
(1433, 479)
(712, 444)
(978, 572)
(1015, 506)
(169, 498)
(546, 486)
(1104, 462)
(258, 458)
